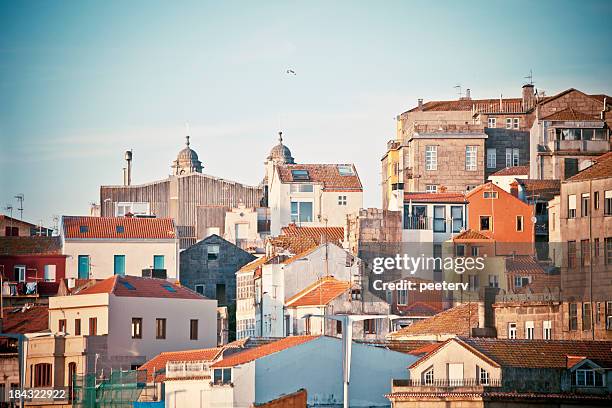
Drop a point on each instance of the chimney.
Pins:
(528, 97)
(467, 94)
(514, 188)
(128, 171)
(420, 103)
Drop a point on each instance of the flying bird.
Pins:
(290, 71)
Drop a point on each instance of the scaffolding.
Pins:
(120, 389)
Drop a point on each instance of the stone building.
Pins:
(209, 268)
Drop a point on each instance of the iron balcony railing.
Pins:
(448, 383)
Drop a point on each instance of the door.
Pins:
(158, 262)
(83, 266)
(120, 265)
(455, 374)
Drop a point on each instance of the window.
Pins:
(547, 330)
(512, 330)
(585, 252)
(571, 254)
(460, 250)
(474, 282)
(200, 289)
(439, 218)
(485, 223)
(193, 329)
(491, 158)
(597, 313)
(573, 316)
(428, 376)
(62, 326)
(608, 202)
(586, 316)
(431, 188)
(300, 175)
(307, 324)
(475, 251)
(301, 211)
(482, 375)
(212, 252)
(608, 315)
(570, 167)
(49, 273)
(529, 330)
(120, 229)
(355, 294)
(77, 327)
(369, 326)
(608, 250)
(431, 158)
(83, 267)
(471, 156)
(119, 265)
(160, 328)
(508, 123)
(402, 297)
(42, 375)
(493, 281)
(512, 157)
(596, 200)
(584, 205)
(345, 170)
(83, 229)
(490, 194)
(519, 223)
(342, 200)
(159, 262)
(520, 281)
(492, 122)
(589, 378)
(134, 208)
(338, 327)
(457, 216)
(20, 273)
(93, 326)
(515, 123)
(301, 188)
(222, 375)
(136, 327)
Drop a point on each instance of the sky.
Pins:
(82, 81)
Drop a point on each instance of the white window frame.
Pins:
(483, 376)
(508, 123)
(516, 123)
(471, 158)
(431, 188)
(571, 206)
(295, 217)
(491, 158)
(431, 157)
(512, 330)
(547, 330)
(301, 188)
(529, 330)
(492, 122)
(342, 200)
(402, 297)
(20, 273)
(428, 376)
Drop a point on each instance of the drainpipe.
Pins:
(591, 257)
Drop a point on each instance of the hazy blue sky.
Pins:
(81, 81)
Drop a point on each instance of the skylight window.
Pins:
(300, 174)
(169, 288)
(120, 229)
(345, 170)
(83, 229)
(127, 284)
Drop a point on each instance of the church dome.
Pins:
(187, 161)
(281, 153)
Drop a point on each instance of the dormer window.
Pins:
(300, 174)
(345, 170)
(588, 377)
(83, 229)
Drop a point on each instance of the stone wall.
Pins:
(502, 139)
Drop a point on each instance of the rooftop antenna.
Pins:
(459, 89)
(530, 77)
(188, 129)
(20, 198)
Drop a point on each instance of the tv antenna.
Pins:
(20, 198)
(459, 90)
(530, 77)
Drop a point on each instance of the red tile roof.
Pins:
(30, 246)
(319, 293)
(512, 171)
(452, 198)
(483, 105)
(455, 321)
(544, 189)
(602, 168)
(143, 287)
(569, 114)
(32, 319)
(526, 266)
(470, 235)
(106, 227)
(421, 309)
(157, 365)
(255, 264)
(426, 349)
(246, 356)
(326, 174)
(319, 234)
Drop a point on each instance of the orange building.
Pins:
(503, 217)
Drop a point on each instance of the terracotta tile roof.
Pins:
(30, 246)
(512, 171)
(426, 349)
(418, 309)
(545, 188)
(402, 346)
(487, 105)
(326, 174)
(470, 235)
(294, 400)
(107, 227)
(294, 245)
(573, 360)
(602, 168)
(143, 287)
(526, 266)
(455, 321)
(246, 356)
(319, 234)
(319, 293)
(569, 114)
(32, 319)
(157, 365)
(255, 264)
(541, 353)
(435, 197)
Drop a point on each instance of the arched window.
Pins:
(42, 375)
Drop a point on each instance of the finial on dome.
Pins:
(280, 137)
(187, 142)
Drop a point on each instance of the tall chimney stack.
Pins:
(467, 94)
(420, 103)
(128, 173)
(528, 97)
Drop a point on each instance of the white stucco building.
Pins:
(100, 247)
(264, 373)
(506, 176)
(140, 318)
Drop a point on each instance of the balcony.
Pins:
(437, 225)
(445, 385)
(586, 146)
(184, 369)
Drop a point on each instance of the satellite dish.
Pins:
(534, 219)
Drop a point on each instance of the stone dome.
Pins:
(187, 161)
(281, 153)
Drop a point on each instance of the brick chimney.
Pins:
(514, 188)
(420, 103)
(528, 97)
